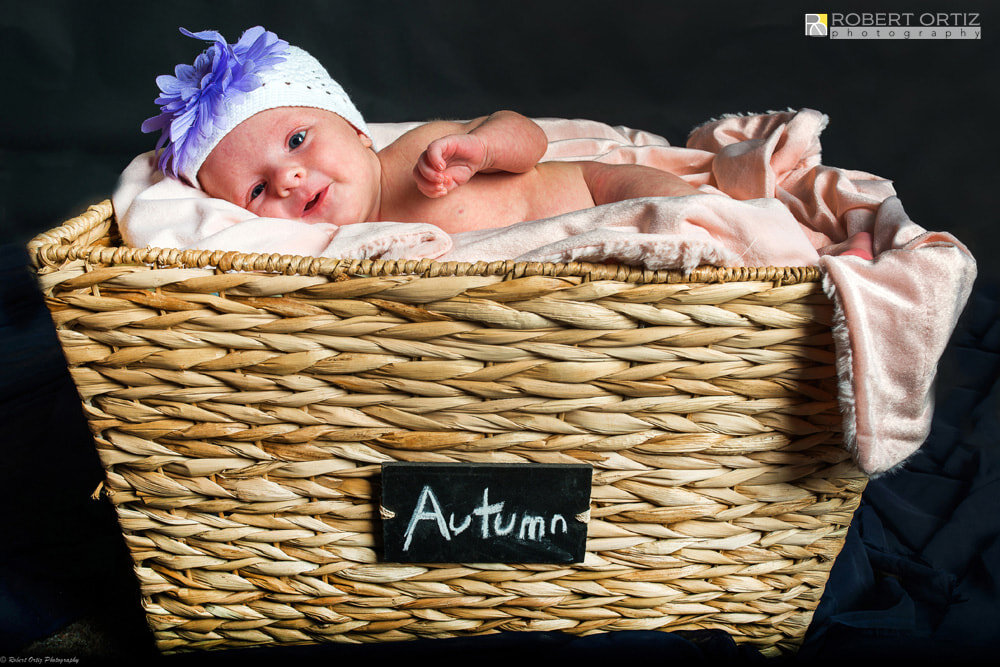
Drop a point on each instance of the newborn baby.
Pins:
(262, 125)
(310, 164)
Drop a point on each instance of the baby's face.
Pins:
(299, 163)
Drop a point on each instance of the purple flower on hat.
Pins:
(194, 100)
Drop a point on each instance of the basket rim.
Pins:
(63, 243)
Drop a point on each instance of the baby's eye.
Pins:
(257, 191)
(296, 140)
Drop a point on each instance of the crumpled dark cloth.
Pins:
(919, 575)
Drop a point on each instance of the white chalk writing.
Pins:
(426, 495)
(531, 527)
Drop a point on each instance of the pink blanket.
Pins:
(766, 200)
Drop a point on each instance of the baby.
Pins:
(261, 124)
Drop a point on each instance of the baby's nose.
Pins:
(286, 180)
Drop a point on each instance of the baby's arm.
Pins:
(618, 182)
(504, 141)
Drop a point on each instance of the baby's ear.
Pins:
(366, 141)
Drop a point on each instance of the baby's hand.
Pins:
(448, 163)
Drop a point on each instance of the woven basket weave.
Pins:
(242, 405)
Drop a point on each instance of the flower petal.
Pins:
(155, 123)
(206, 35)
(248, 37)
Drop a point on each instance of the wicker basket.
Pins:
(242, 406)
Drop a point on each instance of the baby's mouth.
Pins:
(312, 203)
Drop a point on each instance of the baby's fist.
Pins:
(449, 162)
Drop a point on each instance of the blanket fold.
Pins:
(765, 199)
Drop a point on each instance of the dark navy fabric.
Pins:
(61, 555)
(918, 575)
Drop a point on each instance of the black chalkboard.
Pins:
(484, 513)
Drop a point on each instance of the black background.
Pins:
(79, 80)
(920, 570)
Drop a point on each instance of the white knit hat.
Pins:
(228, 84)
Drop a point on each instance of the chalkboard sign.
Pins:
(484, 512)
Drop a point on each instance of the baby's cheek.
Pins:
(273, 210)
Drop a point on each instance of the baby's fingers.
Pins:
(437, 153)
(425, 170)
(431, 183)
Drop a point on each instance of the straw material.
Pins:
(242, 405)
